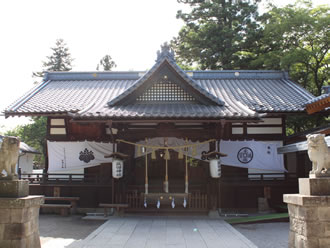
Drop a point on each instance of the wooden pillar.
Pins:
(219, 193)
(146, 185)
(166, 176)
(186, 177)
(113, 190)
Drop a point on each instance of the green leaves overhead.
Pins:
(296, 38)
(218, 34)
(228, 34)
(34, 135)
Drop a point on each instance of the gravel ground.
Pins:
(57, 231)
(267, 235)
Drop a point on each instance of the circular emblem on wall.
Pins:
(245, 155)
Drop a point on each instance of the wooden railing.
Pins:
(134, 200)
(259, 177)
(196, 200)
(36, 178)
(271, 176)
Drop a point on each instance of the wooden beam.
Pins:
(318, 106)
(165, 120)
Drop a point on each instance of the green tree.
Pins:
(1, 129)
(59, 60)
(296, 38)
(218, 34)
(33, 134)
(106, 63)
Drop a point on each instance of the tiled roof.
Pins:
(235, 95)
(319, 98)
(27, 149)
(320, 103)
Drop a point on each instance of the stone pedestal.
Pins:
(310, 213)
(16, 188)
(19, 222)
(19, 215)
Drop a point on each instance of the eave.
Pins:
(318, 105)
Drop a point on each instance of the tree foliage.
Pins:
(228, 34)
(33, 134)
(296, 38)
(59, 60)
(106, 63)
(218, 34)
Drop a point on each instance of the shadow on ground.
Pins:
(69, 228)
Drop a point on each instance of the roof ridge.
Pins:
(93, 75)
(239, 74)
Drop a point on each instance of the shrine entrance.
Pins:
(169, 177)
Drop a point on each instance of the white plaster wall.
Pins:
(237, 130)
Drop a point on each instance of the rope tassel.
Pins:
(138, 150)
(153, 154)
(180, 156)
(167, 155)
(194, 151)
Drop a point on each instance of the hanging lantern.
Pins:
(117, 168)
(215, 168)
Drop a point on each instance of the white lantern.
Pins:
(117, 168)
(215, 168)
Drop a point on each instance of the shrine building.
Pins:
(166, 139)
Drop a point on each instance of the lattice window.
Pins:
(165, 92)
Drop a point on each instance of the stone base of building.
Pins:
(309, 214)
(19, 222)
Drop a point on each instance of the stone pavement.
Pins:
(164, 232)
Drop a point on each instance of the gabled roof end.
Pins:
(165, 52)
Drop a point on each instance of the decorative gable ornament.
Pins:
(165, 91)
(166, 51)
(165, 83)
